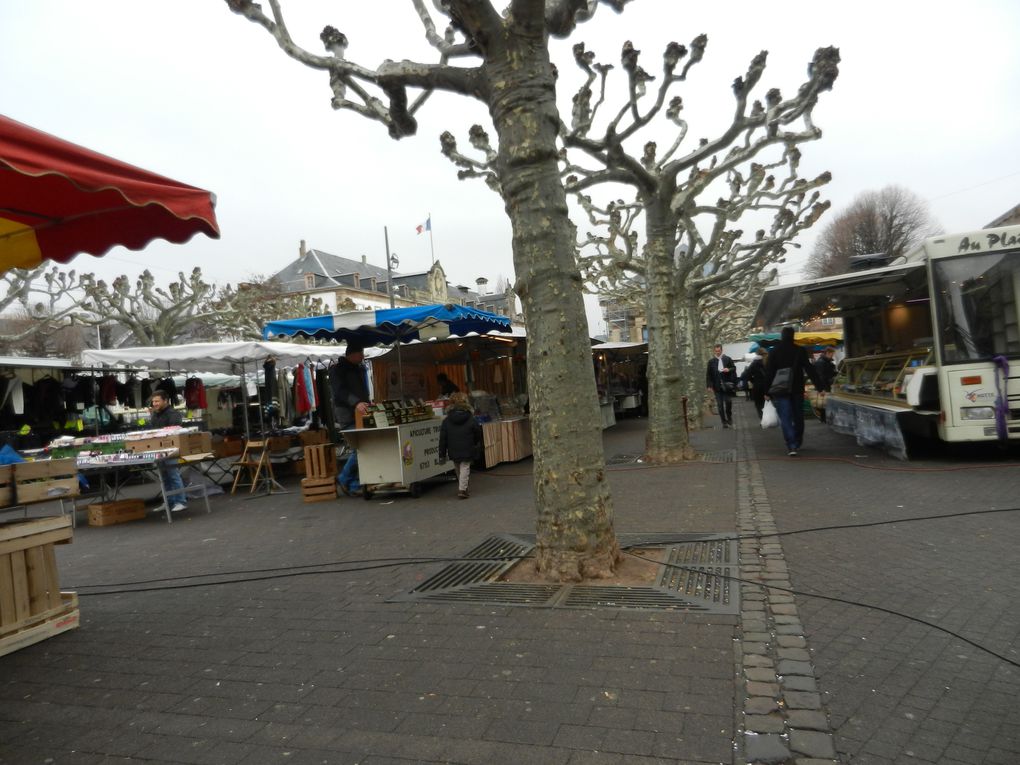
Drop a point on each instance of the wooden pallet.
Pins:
(32, 607)
(320, 461)
(62, 619)
(318, 489)
(120, 511)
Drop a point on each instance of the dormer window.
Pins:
(309, 281)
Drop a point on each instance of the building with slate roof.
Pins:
(344, 284)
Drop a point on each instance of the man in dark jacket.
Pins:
(754, 378)
(163, 415)
(789, 403)
(721, 379)
(349, 382)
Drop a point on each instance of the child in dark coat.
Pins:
(460, 438)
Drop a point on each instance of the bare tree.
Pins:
(888, 223)
(511, 73)
(240, 312)
(42, 297)
(152, 314)
(692, 246)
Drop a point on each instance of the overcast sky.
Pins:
(928, 98)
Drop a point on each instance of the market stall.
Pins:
(58, 199)
(403, 449)
(621, 377)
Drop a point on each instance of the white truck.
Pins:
(932, 342)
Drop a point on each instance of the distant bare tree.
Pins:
(240, 312)
(889, 222)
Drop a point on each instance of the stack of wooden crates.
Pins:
(32, 607)
(320, 469)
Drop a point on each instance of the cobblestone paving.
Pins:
(320, 669)
(898, 691)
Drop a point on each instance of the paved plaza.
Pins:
(302, 657)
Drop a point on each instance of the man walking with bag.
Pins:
(784, 382)
(721, 379)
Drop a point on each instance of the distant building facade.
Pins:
(344, 284)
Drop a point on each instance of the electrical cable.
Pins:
(834, 599)
(835, 527)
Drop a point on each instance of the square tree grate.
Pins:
(692, 578)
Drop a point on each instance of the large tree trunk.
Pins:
(575, 532)
(692, 358)
(666, 440)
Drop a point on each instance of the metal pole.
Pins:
(432, 243)
(389, 270)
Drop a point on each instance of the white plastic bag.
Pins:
(769, 416)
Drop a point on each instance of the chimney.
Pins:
(301, 250)
(364, 260)
(481, 281)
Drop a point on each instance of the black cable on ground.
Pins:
(833, 599)
(837, 527)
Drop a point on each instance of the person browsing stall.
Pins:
(460, 438)
(163, 415)
(785, 370)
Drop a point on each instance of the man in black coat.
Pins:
(789, 403)
(163, 415)
(350, 386)
(721, 379)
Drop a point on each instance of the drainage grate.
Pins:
(724, 455)
(623, 459)
(690, 580)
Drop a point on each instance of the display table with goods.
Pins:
(506, 429)
(110, 462)
(398, 446)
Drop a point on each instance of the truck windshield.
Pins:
(977, 297)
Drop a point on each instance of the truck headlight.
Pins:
(977, 413)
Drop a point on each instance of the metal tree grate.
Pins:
(690, 579)
(723, 455)
(623, 459)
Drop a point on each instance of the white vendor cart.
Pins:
(397, 457)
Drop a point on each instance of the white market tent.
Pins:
(225, 358)
(229, 358)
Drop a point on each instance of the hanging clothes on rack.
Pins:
(168, 386)
(310, 386)
(302, 394)
(194, 394)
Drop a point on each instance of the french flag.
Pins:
(426, 226)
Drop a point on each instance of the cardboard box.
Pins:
(185, 443)
(121, 511)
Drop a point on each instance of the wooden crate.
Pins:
(320, 461)
(313, 437)
(281, 443)
(228, 447)
(39, 481)
(318, 489)
(120, 511)
(32, 607)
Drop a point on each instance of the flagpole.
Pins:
(432, 243)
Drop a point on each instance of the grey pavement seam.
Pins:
(783, 718)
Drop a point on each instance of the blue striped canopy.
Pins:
(392, 324)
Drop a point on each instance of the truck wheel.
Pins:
(415, 489)
(366, 494)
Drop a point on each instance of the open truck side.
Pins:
(932, 342)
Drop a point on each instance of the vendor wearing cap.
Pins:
(350, 386)
(349, 380)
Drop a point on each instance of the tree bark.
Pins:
(667, 440)
(692, 372)
(575, 535)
